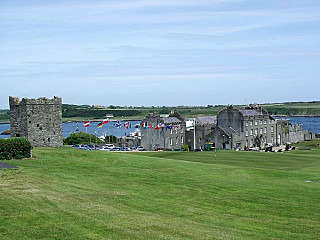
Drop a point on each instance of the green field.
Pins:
(65, 193)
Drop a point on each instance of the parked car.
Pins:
(78, 146)
(104, 148)
(86, 147)
(109, 145)
(140, 149)
(116, 149)
(93, 147)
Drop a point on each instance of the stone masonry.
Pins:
(39, 120)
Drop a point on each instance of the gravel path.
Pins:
(5, 165)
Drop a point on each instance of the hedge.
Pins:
(15, 148)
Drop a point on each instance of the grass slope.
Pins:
(72, 194)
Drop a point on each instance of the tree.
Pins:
(81, 138)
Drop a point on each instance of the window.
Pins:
(29, 121)
(251, 132)
(171, 131)
(265, 130)
(247, 133)
(199, 140)
(256, 131)
(260, 122)
(272, 129)
(261, 131)
(171, 141)
(265, 122)
(255, 123)
(177, 141)
(247, 124)
(251, 123)
(181, 139)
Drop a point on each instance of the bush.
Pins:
(185, 148)
(15, 148)
(81, 138)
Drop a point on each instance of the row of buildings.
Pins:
(40, 120)
(232, 128)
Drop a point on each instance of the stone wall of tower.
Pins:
(39, 120)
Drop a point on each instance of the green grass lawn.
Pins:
(73, 194)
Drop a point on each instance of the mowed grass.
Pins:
(65, 193)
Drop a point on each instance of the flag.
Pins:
(105, 121)
(169, 126)
(151, 125)
(117, 124)
(137, 125)
(126, 125)
(100, 125)
(176, 127)
(157, 127)
(86, 124)
(142, 125)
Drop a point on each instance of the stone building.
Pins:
(198, 136)
(253, 127)
(39, 120)
(163, 132)
(242, 129)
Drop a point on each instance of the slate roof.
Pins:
(250, 112)
(207, 120)
(170, 120)
(228, 130)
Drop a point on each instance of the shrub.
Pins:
(81, 138)
(15, 148)
(185, 148)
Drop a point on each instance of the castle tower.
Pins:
(39, 120)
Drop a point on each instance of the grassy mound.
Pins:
(73, 194)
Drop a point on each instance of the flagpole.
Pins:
(194, 134)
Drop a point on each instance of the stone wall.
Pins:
(39, 120)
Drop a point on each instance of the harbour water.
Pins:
(311, 124)
(105, 130)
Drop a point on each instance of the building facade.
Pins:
(163, 132)
(198, 131)
(39, 120)
(253, 127)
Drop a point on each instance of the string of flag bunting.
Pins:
(128, 125)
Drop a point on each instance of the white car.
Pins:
(103, 148)
(110, 146)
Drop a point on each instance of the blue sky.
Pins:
(160, 52)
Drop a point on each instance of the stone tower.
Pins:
(39, 120)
